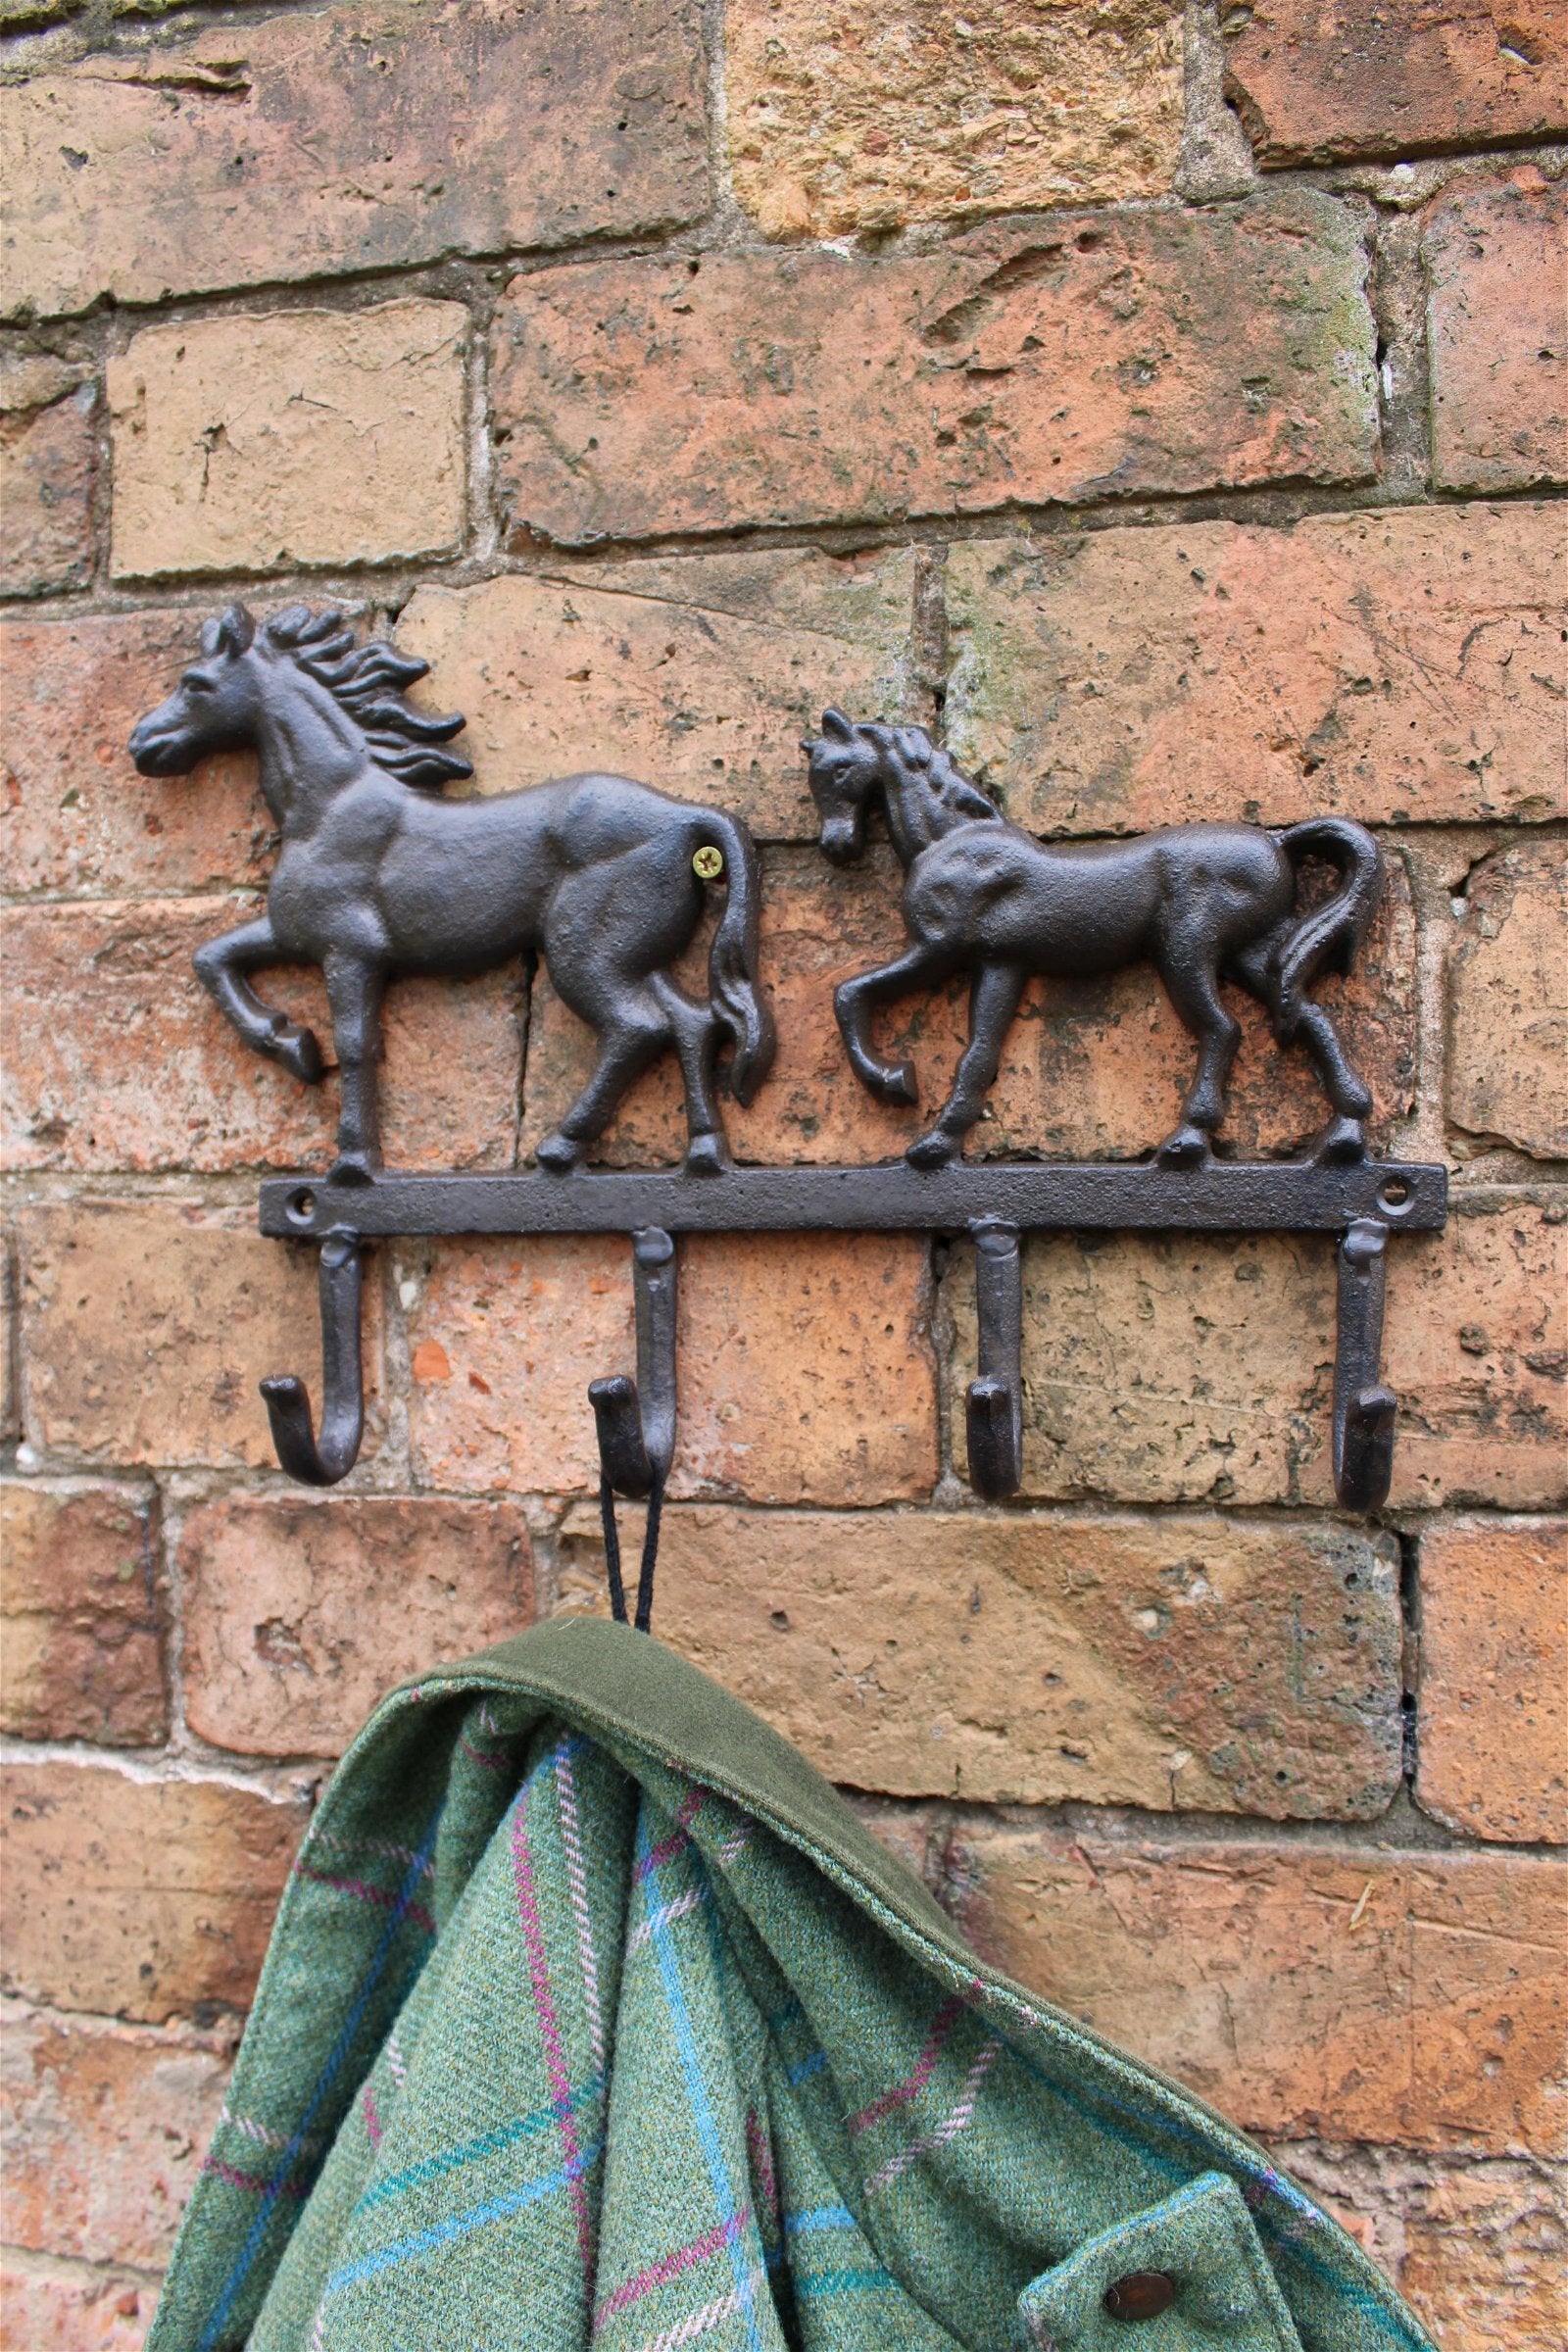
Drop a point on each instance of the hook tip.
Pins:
(623, 1454)
(996, 1449)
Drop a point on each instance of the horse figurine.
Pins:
(378, 875)
(1200, 903)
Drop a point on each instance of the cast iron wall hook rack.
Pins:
(605, 878)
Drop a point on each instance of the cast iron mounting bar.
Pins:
(1362, 1201)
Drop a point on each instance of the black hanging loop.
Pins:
(995, 1410)
(1364, 1411)
(636, 1418)
(321, 1463)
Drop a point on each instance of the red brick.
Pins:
(104, 2131)
(1493, 1721)
(47, 456)
(1320, 85)
(299, 1614)
(1508, 1001)
(140, 1898)
(696, 673)
(780, 1350)
(1395, 667)
(1067, 358)
(1496, 263)
(1476, 2245)
(147, 1324)
(380, 134)
(1408, 1997)
(1090, 1067)
(1188, 1664)
(82, 1657)
(118, 1059)
(75, 816)
(1218, 1359)
(51, 2306)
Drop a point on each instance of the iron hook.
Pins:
(995, 1409)
(1364, 1410)
(636, 1418)
(288, 1403)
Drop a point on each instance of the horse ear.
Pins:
(914, 745)
(235, 631)
(835, 723)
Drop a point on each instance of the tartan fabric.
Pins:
(593, 2018)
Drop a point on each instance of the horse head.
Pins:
(847, 765)
(212, 709)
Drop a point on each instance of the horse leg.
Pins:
(221, 964)
(1345, 1138)
(696, 1035)
(354, 992)
(994, 995)
(634, 1035)
(1193, 985)
(925, 965)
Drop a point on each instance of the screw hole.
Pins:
(1394, 1197)
(301, 1207)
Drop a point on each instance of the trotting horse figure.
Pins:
(1200, 902)
(378, 875)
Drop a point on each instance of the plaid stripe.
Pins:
(562, 2047)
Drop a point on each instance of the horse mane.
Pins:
(913, 748)
(367, 681)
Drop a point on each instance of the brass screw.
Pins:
(709, 863)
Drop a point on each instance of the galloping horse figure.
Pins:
(1200, 902)
(378, 875)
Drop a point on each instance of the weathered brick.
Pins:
(147, 1899)
(1216, 1358)
(306, 438)
(1320, 85)
(376, 135)
(1477, 2245)
(104, 2127)
(83, 1655)
(1065, 358)
(1383, 667)
(1496, 262)
(300, 1614)
(47, 456)
(74, 816)
(869, 118)
(1493, 1720)
(147, 1324)
(697, 674)
(1208, 1664)
(1483, 2258)
(1476, 1348)
(779, 1350)
(1408, 1997)
(47, 2305)
(117, 1058)
(1508, 1001)
(1090, 1067)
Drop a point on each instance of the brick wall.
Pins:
(1175, 416)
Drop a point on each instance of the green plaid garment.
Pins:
(593, 2017)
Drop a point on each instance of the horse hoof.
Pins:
(1184, 1149)
(557, 1154)
(1341, 1144)
(902, 1084)
(300, 1053)
(933, 1150)
(705, 1156)
(351, 1167)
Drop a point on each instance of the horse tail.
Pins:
(1331, 936)
(732, 987)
